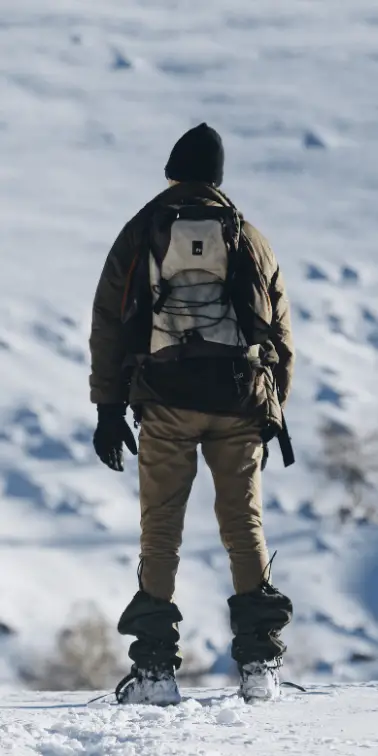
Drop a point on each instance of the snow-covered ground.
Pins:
(341, 720)
(93, 96)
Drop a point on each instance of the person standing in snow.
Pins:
(191, 328)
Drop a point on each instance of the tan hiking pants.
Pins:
(167, 467)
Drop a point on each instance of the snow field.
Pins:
(341, 720)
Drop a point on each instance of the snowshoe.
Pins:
(259, 681)
(157, 687)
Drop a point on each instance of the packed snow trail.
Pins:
(337, 719)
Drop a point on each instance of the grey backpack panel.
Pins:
(193, 274)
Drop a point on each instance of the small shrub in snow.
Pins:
(351, 460)
(85, 658)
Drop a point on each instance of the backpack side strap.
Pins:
(286, 446)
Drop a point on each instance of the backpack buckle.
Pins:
(190, 336)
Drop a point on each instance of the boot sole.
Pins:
(160, 705)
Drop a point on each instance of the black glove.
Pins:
(265, 457)
(111, 433)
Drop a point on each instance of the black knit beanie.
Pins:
(197, 156)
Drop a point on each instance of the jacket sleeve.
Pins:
(282, 337)
(107, 335)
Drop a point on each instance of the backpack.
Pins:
(208, 295)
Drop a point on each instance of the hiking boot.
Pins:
(259, 681)
(156, 687)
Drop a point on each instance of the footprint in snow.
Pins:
(327, 393)
(349, 275)
(19, 485)
(120, 62)
(50, 449)
(303, 313)
(312, 140)
(58, 342)
(315, 273)
(369, 316)
(38, 443)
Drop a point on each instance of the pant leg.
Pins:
(232, 448)
(167, 467)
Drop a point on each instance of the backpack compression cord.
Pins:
(169, 303)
